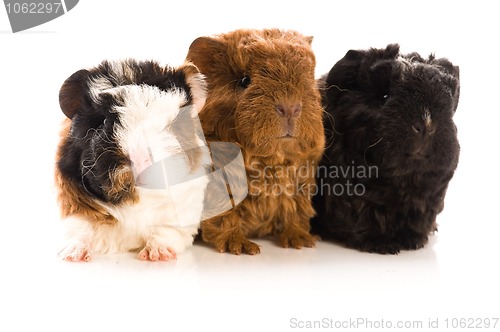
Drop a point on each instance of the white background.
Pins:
(455, 276)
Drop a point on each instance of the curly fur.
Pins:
(395, 142)
(262, 96)
(117, 114)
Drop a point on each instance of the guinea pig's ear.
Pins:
(456, 90)
(71, 94)
(354, 55)
(354, 59)
(309, 39)
(204, 51)
(453, 75)
(454, 84)
(342, 77)
(343, 74)
(391, 51)
(445, 65)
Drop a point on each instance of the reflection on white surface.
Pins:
(455, 276)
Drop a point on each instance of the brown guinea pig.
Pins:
(262, 96)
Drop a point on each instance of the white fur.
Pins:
(163, 219)
(198, 91)
(145, 119)
(97, 86)
(427, 117)
(121, 70)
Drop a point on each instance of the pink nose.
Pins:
(288, 110)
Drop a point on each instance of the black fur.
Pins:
(380, 145)
(90, 151)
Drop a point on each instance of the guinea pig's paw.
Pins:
(411, 240)
(377, 245)
(393, 245)
(154, 252)
(237, 245)
(79, 251)
(296, 238)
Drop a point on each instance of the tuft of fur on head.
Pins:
(262, 96)
(118, 115)
(393, 113)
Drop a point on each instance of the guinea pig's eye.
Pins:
(244, 82)
(385, 98)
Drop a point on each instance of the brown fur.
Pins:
(281, 67)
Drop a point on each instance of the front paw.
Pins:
(79, 251)
(393, 245)
(226, 235)
(237, 245)
(378, 246)
(153, 252)
(297, 239)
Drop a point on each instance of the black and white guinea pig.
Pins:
(123, 117)
(392, 149)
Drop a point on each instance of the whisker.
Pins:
(371, 146)
(96, 131)
(326, 88)
(89, 167)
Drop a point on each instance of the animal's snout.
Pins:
(288, 113)
(288, 110)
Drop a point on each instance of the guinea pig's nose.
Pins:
(288, 110)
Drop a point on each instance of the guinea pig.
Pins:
(383, 177)
(262, 96)
(127, 122)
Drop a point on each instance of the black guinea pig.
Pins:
(392, 149)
